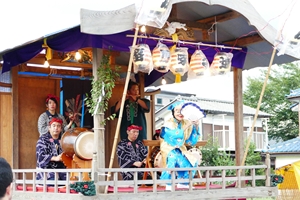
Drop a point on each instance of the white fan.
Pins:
(192, 111)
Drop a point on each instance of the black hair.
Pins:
(173, 110)
(6, 176)
(131, 83)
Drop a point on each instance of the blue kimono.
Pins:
(175, 155)
(46, 148)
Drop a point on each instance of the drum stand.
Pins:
(75, 163)
(151, 144)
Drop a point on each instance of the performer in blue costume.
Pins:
(175, 133)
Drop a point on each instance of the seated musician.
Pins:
(156, 135)
(132, 153)
(49, 151)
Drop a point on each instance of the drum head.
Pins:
(158, 162)
(197, 154)
(84, 145)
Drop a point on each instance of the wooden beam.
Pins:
(57, 62)
(195, 25)
(245, 41)
(58, 71)
(220, 18)
(5, 84)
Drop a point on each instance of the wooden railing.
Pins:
(201, 186)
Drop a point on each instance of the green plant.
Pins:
(211, 156)
(102, 88)
(254, 158)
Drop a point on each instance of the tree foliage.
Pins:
(283, 125)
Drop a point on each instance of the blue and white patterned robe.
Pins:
(127, 155)
(174, 137)
(46, 148)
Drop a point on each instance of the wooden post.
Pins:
(268, 170)
(238, 120)
(99, 140)
(15, 123)
(238, 115)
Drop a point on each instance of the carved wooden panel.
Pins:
(182, 34)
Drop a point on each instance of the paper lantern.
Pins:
(179, 61)
(221, 63)
(142, 59)
(199, 63)
(161, 58)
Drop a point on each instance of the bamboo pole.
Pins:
(185, 42)
(122, 106)
(258, 106)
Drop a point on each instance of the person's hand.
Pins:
(196, 122)
(57, 158)
(132, 97)
(138, 164)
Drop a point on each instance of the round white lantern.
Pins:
(179, 61)
(199, 63)
(142, 59)
(161, 58)
(221, 63)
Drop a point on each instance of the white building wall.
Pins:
(286, 159)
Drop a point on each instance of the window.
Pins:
(5, 78)
(159, 101)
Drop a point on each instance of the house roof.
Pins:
(289, 146)
(294, 95)
(211, 106)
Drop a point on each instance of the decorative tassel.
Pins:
(177, 78)
(48, 51)
(175, 40)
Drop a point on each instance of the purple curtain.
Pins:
(72, 39)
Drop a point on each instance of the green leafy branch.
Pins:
(102, 88)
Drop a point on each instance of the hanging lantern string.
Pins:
(190, 43)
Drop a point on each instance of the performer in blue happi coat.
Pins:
(49, 151)
(175, 133)
(132, 153)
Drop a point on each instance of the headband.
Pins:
(54, 119)
(51, 96)
(131, 127)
